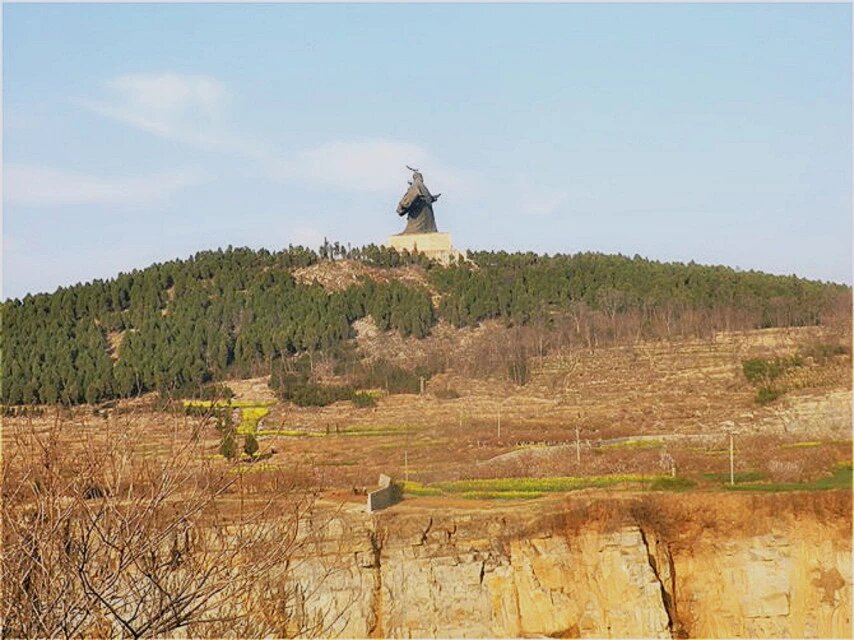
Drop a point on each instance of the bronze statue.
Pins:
(417, 205)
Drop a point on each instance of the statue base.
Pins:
(436, 246)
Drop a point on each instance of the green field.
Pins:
(841, 478)
(521, 488)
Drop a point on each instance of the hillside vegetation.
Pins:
(177, 326)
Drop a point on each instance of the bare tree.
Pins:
(102, 538)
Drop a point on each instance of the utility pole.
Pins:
(577, 446)
(422, 385)
(731, 462)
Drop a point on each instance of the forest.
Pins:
(177, 326)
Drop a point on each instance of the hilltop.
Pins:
(177, 327)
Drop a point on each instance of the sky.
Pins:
(135, 134)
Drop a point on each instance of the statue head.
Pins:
(416, 175)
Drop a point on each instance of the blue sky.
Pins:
(141, 133)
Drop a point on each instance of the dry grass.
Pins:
(684, 397)
(343, 274)
(640, 413)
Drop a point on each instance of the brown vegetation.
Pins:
(123, 520)
(105, 535)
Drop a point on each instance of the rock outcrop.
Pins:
(645, 566)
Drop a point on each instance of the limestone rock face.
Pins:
(600, 585)
(782, 584)
(521, 573)
(827, 414)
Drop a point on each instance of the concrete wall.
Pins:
(385, 496)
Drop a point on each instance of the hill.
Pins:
(565, 418)
(176, 327)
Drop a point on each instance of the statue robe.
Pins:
(417, 206)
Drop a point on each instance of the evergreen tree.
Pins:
(182, 324)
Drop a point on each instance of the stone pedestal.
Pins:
(436, 246)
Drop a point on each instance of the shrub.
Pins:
(394, 379)
(447, 393)
(364, 400)
(316, 395)
(823, 351)
(298, 388)
(215, 391)
(767, 394)
(761, 370)
(227, 446)
(754, 369)
(250, 445)
(518, 368)
(291, 379)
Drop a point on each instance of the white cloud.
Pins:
(376, 165)
(193, 109)
(369, 165)
(42, 186)
(184, 107)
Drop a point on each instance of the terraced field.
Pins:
(654, 416)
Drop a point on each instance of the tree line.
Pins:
(520, 286)
(176, 326)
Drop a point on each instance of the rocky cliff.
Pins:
(710, 565)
